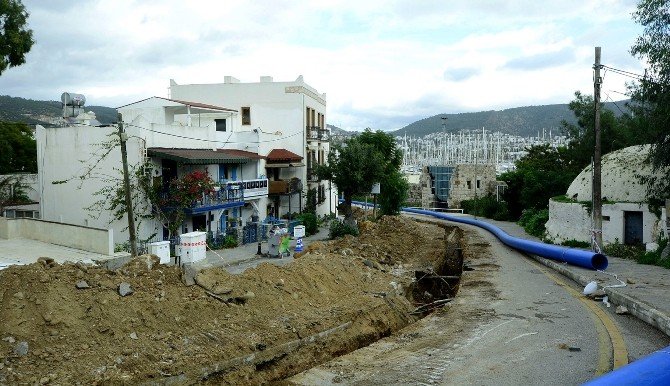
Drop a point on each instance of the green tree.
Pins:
(353, 167)
(13, 191)
(615, 135)
(18, 150)
(394, 186)
(651, 95)
(543, 173)
(16, 39)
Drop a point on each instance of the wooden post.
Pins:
(597, 184)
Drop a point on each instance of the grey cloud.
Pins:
(540, 61)
(460, 74)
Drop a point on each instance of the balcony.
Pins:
(225, 195)
(311, 175)
(316, 133)
(294, 185)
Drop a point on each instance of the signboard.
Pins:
(252, 188)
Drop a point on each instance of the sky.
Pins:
(382, 64)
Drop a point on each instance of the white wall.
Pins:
(278, 109)
(85, 238)
(571, 221)
(65, 153)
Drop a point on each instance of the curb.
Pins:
(636, 307)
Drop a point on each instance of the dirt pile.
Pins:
(83, 324)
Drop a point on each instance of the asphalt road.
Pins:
(513, 322)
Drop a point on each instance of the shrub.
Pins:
(576, 244)
(309, 220)
(230, 241)
(486, 206)
(533, 220)
(339, 229)
(632, 252)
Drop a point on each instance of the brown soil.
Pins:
(263, 325)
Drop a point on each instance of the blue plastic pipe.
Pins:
(654, 369)
(578, 257)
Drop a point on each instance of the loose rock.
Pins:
(21, 349)
(82, 284)
(125, 289)
(621, 310)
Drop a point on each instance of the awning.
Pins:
(285, 165)
(282, 156)
(203, 156)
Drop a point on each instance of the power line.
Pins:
(615, 104)
(624, 72)
(209, 140)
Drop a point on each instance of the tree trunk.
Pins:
(348, 214)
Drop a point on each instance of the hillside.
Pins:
(521, 121)
(34, 112)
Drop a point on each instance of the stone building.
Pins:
(447, 186)
(626, 216)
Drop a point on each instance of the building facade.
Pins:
(283, 115)
(259, 154)
(447, 186)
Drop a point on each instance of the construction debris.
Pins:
(288, 318)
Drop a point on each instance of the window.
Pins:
(220, 124)
(469, 184)
(246, 115)
(606, 218)
(478, 183)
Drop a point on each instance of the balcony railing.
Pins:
(311, 175)
(317, 133)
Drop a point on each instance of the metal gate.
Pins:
(250, 233)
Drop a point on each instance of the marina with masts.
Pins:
(471, 147)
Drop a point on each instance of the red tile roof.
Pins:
(282, 155)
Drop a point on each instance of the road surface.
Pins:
(513, 322)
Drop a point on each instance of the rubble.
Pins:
(290, 317)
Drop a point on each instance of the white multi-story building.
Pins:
(259, 143)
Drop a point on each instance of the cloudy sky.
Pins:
(383, 64)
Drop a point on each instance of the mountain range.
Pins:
(521, 121)
(45, 113)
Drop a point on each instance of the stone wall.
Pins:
(464, 186)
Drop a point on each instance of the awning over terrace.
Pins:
(203, 156)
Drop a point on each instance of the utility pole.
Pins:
(597, 185)
(123, 137)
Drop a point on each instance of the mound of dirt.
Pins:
(83, 324)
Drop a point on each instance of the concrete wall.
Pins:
(572, 221)
(85, 238)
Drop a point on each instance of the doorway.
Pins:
(200, 223)
(633, 225)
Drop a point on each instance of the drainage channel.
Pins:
(433, 286)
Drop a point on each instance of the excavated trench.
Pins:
(262, 326)
(433, 285)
